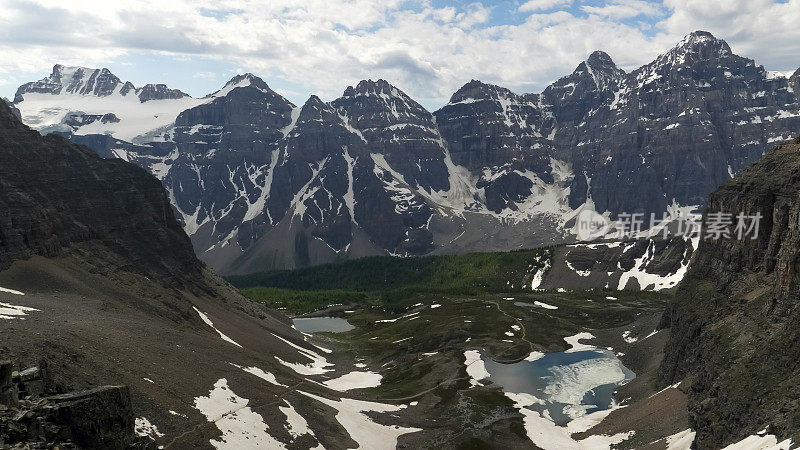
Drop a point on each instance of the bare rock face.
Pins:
(735, 321)
(56, 193)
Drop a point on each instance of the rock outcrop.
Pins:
(34, 416)
(735, 322)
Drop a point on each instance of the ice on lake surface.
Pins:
(317, 324)
(567, 385)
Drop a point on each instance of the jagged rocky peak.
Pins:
(97, 82)
(243, 80)
(478, 90)
(72, 80)
(697, 46)
(159, 92)
(374, 104)
(603, 70)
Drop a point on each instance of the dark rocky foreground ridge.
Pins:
(260, 183)
(56, 194)
(735, 324)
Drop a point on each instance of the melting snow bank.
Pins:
(547, 435)
(574, 342)
(241, 427)
(760, 442)
(9, 311)
(681, 440)
(266, 376)
(318, 364)
(476, 369)
(544, 305)
(538, 277)
(354, 380)
(208, 322)
(10, 291)
(368, 434)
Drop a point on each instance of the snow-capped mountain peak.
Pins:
(695, 47)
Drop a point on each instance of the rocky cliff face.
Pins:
(260, 183)
(56, 194)
(734, 325)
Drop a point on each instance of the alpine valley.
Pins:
(259, 183)
(396, 278)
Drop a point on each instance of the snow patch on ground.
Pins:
(681, 440)
(318, 363)
(549, 436)
(241, 427)
(544, 305)
(266, 376)
(9, 311)
(574, 342)
(10, 291)
(354, 380)
(760, 442)
(296, 425)
(208, 322)
(367, 433)
(476, 369)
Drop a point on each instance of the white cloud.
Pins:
(624, 9)
(321, 46)
(541, 5)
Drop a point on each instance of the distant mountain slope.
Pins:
(734, 324)
(260, 183)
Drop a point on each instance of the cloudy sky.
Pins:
(428, 48)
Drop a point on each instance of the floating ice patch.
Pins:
(241, 427)
(9, 311)
(435, 306)
(354, 380)
(208, 322)
(570, 383)
(143, 427)
(362, 429)
(476, 369)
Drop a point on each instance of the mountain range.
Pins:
(260, 183)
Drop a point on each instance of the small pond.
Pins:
(317, 324)
(568, 384)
